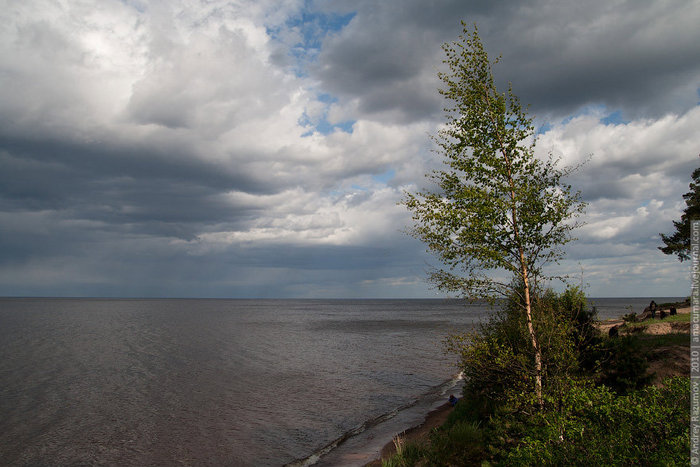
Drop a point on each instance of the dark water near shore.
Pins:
(220, 382)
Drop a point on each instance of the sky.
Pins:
(211, 148)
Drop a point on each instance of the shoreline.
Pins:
(434, 419)
(437, 417)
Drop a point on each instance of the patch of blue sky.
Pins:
(544, 128)
(311, 27)
(321, 124)
(585, 111)
(326, 98)
(608, 117)
(614, 118)
(324, 127)
(314, 26)
(384, 177)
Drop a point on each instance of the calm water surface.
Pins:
(220, 382)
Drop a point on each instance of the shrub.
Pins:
(407, 454)
(461, 443)
(596, 427)
(630, 318)
(624, 364)
(458, 442)
(498, 359)
(618, 422)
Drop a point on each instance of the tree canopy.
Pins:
(498, 207)
(499, 214)
(679, 242)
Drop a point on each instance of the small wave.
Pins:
(435, 392)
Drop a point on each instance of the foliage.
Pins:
(682, 304)
(630, 318)
(598, 408)
(498, 211)
(679, 242)
(407, 454)
(567, 327)
(596, 427)
(625, 363)
(497, 216)
(459, 442)
(663, 340)
(497, 359)
(679, 318)
(498, 207)
(592, 426)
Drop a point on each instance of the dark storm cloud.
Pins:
(642, 59)
(171, 150)
(612, 181)
(65, 257)
(143, 188)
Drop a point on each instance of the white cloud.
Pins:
(179, 131)
(633, 182)
(299, 218)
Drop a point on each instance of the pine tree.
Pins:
(679, 242)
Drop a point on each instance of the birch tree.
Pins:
(498, 214)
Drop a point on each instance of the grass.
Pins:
(664, 340)
(407, 453)
(680, 318)
(459, 442)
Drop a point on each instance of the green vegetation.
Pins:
(681, 318)
(624, 363)
(542, 386)
(686, 303)
(679, 242)
(498, 211)
(664, 340)
(599, 408)
(597, 427)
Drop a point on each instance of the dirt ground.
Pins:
(669, 361)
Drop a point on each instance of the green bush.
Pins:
(597, 409)
(498, 360)
(460, 444)
(630, 318)
(407, 455)
(624, 364)
(596, 427)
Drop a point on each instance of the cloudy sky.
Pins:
(211, 148)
